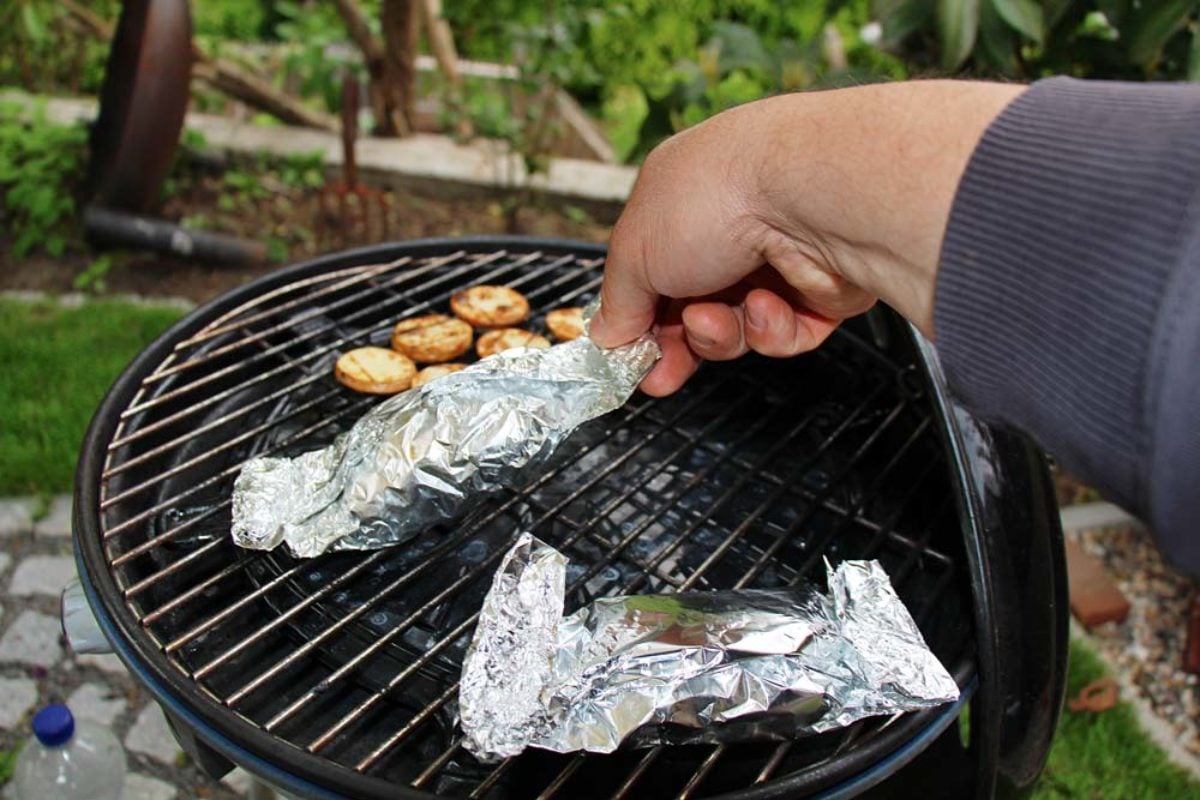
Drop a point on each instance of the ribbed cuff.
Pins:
(1051, 313)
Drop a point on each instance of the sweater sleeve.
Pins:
(1068, 296)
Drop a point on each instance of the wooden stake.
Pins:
(399, 20)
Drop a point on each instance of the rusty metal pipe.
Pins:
(108, 227)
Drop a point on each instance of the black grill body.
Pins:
(337, 676)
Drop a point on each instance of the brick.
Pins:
(32, 638)
(45, 575)
(17, 697)
(1095, 599)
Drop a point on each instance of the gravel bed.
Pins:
(1148, 646)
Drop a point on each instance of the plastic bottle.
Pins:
(69, 760)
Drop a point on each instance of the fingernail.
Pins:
(753, 319)
(700, 341)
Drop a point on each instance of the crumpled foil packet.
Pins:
(689, 667)
(419, 457)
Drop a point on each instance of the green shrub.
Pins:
(240, 20)
(41, 164)
(1028, 39)
(653, 68)
(40, 52)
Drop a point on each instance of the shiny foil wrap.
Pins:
(420, 457)
(689, 667)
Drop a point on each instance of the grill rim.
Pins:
(173, 689)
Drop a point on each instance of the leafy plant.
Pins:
(1028, 39)
(241, 20)
(316, 58)
(38, 51)
(522, 111)
(651, 68)
(737, 65)
(304, 171)
(40, 162)
(8, 761)
(92, 279)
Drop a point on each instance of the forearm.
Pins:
(1069, 287)
(869, 175)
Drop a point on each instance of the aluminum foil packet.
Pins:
(689, 667)
(420, 457)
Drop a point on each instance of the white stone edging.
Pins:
(1090, 516)
(422, 160)
(77, 299)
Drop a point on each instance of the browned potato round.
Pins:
(490, 306)
(497, 341)
(432, 338)
(565, 323)
(375, 370)
(433, 372)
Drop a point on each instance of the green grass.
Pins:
(8, 760)
(55, 365)
(1107, 756)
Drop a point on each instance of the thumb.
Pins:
(627, 306)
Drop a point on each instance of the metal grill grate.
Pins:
(750, 477)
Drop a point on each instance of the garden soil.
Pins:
(292, 224)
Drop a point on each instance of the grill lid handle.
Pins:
(79, 624)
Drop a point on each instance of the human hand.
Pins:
(766, 226)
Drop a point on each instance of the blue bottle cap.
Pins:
(54, 725)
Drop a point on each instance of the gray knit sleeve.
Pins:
(1068, 297)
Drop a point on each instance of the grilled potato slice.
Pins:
(433, 372)
(496, 341)
(565, 323)
(432, 339)
(375, 370)
(490, 306)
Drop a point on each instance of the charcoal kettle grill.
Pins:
(337, 676)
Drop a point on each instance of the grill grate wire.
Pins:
(750, 477)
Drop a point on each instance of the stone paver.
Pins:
(141, 787)
(45, 575)
(106, 662)
(16, 515)
(34, 671)
(32, 638)
(17, 696)
(97, 703)
(57, 522)
(239, 781)
(151, 736)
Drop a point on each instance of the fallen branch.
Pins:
(252, 90)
